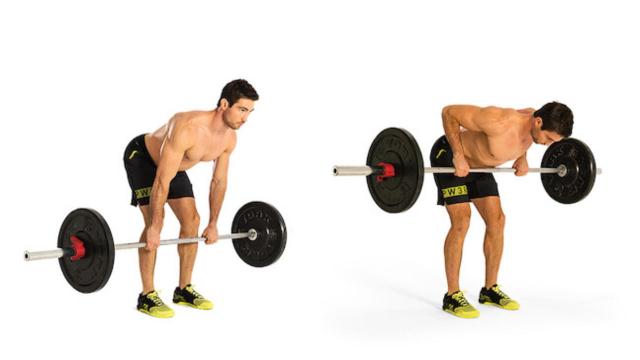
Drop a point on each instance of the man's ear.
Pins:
(224, 104)
(538, 122)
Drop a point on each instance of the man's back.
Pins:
(492, 135)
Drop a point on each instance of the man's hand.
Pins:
(521, 165)
(461, 165)
(211, 233)
(152, 236)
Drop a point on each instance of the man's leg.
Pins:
(185, 294)
(149, 302)
(460, 216)
(147, 258)
(491, 211)
(187, 214)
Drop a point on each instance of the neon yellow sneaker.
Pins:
(494, 296)
(458, 305)
(188, 296)
(151, 304)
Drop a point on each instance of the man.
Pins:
(478, 137)
(156, 164)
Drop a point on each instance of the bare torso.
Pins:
(208, 143)
(482, 150)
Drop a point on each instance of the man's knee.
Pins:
(191, 222)
(495, 222)
(460, 219)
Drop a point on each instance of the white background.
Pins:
(78, 80)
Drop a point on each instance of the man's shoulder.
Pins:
(506, 115)
(233, 140)
(526, 111)
(185, 121)
(498, 110)
(183, 128)
(186, 116)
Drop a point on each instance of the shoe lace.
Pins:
(497, 290)
(192, 291)
(460, 298)
(155, 297)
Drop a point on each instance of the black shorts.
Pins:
(141, 172)
(453, 189)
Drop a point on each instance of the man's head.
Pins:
(552, 122)
(236, 102)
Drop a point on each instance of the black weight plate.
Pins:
(272, 234)
(91, 272)
(581, 171)
(398, 147)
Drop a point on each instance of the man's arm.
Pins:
(172, 152)
(521, 165)
(217, 191)
(218, 186)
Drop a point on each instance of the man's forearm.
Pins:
(216, 196)
(157, 199)
(522, 157)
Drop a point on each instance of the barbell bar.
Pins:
(379, 170)
(72, 251)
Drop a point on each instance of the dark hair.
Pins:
(556, 117)
(236, 90)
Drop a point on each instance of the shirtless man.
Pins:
(485, 137)
(156, 164)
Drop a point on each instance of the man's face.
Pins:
(544, 137)
(238, 114)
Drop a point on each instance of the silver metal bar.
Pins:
(353, 170)
(252, 234)
(136, 245)
(40, 255)
(562, 170)
(368, 170)
(438, 170)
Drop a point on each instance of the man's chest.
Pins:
(508, 146)
(207, 148)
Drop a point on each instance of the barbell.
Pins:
(395, 170)
(86, 251)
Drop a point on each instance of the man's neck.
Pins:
(531, 125)
(216, 123)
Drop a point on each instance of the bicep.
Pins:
(222, 163)
(221, 168)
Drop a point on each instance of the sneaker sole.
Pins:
(156, 315)
(184, 303)
(499, 306)
(463, 315)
